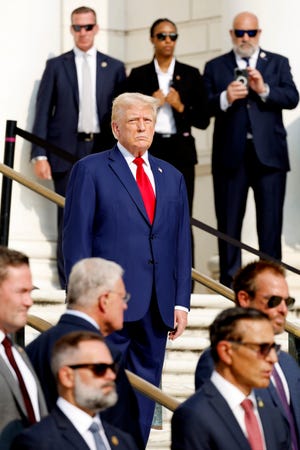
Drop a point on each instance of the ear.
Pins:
(66, 376)
(102, 303)
(243, 299)
(115, 129)
(225, 352)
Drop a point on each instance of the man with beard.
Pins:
(249, 142)
(85, 374)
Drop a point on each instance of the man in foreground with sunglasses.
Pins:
(180, 91)
(249, 143)
(73, 107)
(262, 285)
(85, 373)
(226, 414)
(96, 301)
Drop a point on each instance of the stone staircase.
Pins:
(181, 355)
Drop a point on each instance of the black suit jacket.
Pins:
(57, 105)
(206, 422)
(57, 432)
(124, 414)
(231, 126)
(188, 81)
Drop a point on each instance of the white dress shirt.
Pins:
(165, 123)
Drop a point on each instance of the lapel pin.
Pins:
(178, 77)
(263, 55)
(114, 440)
(104, 64)
(260, 403)
(160, 169)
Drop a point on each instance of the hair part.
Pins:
(10, 258)
(225, 325)
(66, 347)
(89, 278)
(159, 21)
(245, 278)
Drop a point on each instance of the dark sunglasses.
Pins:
(262, 349)
(275, 300)
(78, 28)
(163, 36)
(240, 33)
(98, 369)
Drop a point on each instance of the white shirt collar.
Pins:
(82, 315)
(129, 156)
(79, 53)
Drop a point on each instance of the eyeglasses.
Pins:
(98, 369)
(275, 300)
(261, 349)
(125, 297)
(240, 33)
(78, 28)
(163, 36)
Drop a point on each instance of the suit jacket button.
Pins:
(150, 261)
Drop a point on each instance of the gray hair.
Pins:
(89, 278)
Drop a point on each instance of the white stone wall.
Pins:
(40, 30)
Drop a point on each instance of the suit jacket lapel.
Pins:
(121, 169)
(219, 404)
(13, 384)
(70, 68)
(68, 431)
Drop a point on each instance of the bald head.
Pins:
(245, 44)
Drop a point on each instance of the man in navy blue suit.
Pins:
(262, 285)
(85, 372)
(60, 117)
(96, 301)
(105, 216)
(249, 141)
(215, 417)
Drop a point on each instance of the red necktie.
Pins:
(28, 405)
(145, 188)
(253, 431)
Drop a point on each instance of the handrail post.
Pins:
(9, 156)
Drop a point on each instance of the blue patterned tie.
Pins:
(281, 393)
(94, 429)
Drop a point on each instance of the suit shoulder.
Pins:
(186, 67)
(141, 69)
(110, 59)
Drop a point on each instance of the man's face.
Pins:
(115, 307)
(163, 48)
(268, 284)
(93, 393)
(15, 298)
(134, 128)
(247, 367)
(83, 39)
(245, 45)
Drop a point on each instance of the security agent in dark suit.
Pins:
(180, 90)
(59, 116)
(262, 285)
(249, 141)
(96, 301)
(244, 353)
(85, 374)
